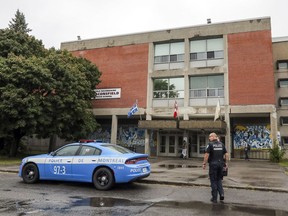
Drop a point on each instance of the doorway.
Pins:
(170, 145)
(197, 144)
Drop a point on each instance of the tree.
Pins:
(43, 92)
(20, 44)
(68, 106)
(18, 24)
(19, 107)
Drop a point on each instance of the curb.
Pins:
(147, 181)
(8, 171)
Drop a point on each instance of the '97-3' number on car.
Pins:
(59, 170)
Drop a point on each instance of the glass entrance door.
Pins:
(202, 144)
(168, 145)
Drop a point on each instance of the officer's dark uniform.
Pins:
(216, 152)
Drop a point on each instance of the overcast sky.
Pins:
(56, 21)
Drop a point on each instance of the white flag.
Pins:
(217, 111)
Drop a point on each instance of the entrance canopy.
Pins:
(206, 125)
(192, 125)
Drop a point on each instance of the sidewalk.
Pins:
(254, 174)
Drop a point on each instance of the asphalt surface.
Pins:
(254, 174)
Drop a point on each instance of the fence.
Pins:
(253, 154)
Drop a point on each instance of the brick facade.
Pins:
(251, 78)
(122, 67)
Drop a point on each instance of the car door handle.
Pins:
(68, 161)
(93, 160)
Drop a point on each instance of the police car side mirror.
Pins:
(52, 153)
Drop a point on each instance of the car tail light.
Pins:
(135, 160)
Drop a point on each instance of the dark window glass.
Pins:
(193, 56)
(67, 151)
(173, 58)
(210, 55)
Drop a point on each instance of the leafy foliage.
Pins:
(18, 43)
(18, 24)
(43, 92)
(276, 153)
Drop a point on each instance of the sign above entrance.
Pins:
(109, 93)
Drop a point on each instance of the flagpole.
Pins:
(138, 107)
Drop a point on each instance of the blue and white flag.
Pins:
(133, 110)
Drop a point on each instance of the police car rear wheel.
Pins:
(103, 179)
(30, 173)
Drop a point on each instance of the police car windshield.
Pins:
(118, 149)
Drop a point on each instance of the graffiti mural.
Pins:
(257, 136)
(131, 135)
(102, 134)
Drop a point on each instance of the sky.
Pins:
(57, 21)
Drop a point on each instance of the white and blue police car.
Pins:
(102, 164)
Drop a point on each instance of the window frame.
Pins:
(170, 57)
(284, 120)
(205, 92)
(283, 86)
(206, 54)
(278, 62)
(281, 99)
(283, 138)
(168, 91)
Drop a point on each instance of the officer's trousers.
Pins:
(216, 177)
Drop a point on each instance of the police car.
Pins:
(102, 164)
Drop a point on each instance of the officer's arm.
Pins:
(206, 156)
(226, 158)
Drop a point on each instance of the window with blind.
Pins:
(283, 101)
(169, 52)
(283, 83)
(207, 52)
(206, 86)
(282, 65)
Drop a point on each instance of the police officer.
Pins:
(216, 155)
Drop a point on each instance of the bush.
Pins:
(276, 153)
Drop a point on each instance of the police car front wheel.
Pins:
(30, 173)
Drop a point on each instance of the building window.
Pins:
(283, 83)
(282, 64)
(206, 86)
(207, 51)
(168, 88)
(284, 120)
(283, 101)
(284, 140)
(170, 52)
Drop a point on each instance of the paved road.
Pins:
(254, 174)
(69, 198)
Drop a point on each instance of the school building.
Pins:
(190, 70)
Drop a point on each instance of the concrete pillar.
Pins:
(273, 124)
(228, 140)
(186, 79)
(147, 144)
(114, 128)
